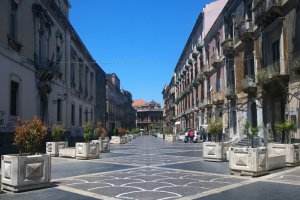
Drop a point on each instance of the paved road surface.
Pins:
(150, 168)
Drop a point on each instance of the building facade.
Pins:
(46, 70)
(244, 68)
(120, 112)
(147, 113)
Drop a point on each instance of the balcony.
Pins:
(215, 60)
(207, 102)
(272, 73)
(295, 62)
(218, 97)
(199, 45)
(266, 11)
(230, 92)
(206, 70)
(228, 48)
(46, 69)
(248, 84)
(246, 31)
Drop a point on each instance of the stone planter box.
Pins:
(130, 137)
(86, 151)
(159, 135)
(291, 152)
(52, 148)
(276, 161)
(215, 151)
(117, 140)
(104, 145)
(134, 136)
(68, 152)
(248, 161)
(28, 172)
(170, 138)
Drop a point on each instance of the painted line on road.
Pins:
(85, 193)
(98, 173)
(218, 190)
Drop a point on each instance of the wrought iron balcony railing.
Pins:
(265, 11)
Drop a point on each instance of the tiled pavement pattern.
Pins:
(150, 168)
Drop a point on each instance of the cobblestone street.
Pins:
(151, 168)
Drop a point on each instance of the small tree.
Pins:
(121, 131)
(116, 132)
(215, 128)
(29, 135)
(254, 132)
(57, 132)
(100, 131)
(169, 130)
(284, 128)
(87, 132)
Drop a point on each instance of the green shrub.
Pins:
(57, 132)
(87, 132)
(29, 135)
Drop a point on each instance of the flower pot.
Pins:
(52, 148)
(87, 151)
(21, 173)
(248, 161)
(104, 145)
(291, 152)
(215, 151)
(170, 138)
(117, 140)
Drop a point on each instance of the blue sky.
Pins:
(139, 40)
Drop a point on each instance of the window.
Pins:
(91, 83)
(80, 74)
(276, 56)
(73, 114)
(86, 81)
(58, 110)
(86, 115)
(91, 115)
(80, 116)
(73, 74)
(14, 98)
(13, 19)
(218, 81)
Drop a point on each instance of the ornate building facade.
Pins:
(147, 113)
(120, 112)
(243, 68)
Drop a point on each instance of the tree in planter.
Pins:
(57, 132)
(284, 128)
(87, 132)
(116, 132)
(121, 131)
(99, 131)
(28, 135)
(169, 130)
(215, 128)
(250, 131)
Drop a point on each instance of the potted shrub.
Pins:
(116, 138)
(27, 170)
(101, 139)
(249, 160)
(291, 151)
(169, 134)
(52, 148)
(87, 150)
(215, 150)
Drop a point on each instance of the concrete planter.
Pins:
(170, 138)
(87, 151)
(130, 137)
(215, 151)
(159, 135)
(248, 161)
(21, 173)
(104, 145)
(68, 152)
(117, 140)
(52, 148)
(291, 152)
